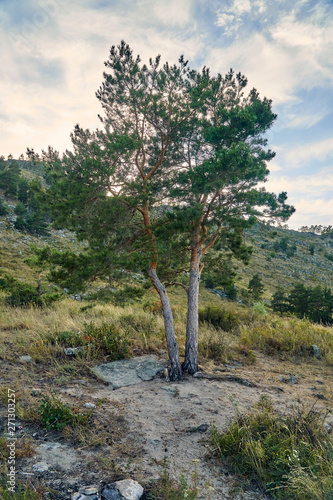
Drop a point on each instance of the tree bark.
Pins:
(191, 347)
(175, 370)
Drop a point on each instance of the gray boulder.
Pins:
(127, 489)
(131, 371)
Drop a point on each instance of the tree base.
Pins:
(175, 373)
(190, 367)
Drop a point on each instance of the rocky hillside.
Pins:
(284, 257)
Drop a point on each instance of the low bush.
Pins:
(107, 339)
(291, 457)
(3, 208)
(259, 309)
(22, 491)
(169, 488)
(287, 336)
(55, 414)
(212, 345)
(65, 338)
(21, 294)
(219, 318)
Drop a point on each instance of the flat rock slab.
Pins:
(130, 371)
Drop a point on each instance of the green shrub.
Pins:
(219, 318)
(20, 209)
(279, 452)
(107, 339)
(212, 345)
(3, 208)
(22, 491)
(24, 294)
(65, 338)
(55, 414)
(231, 291)
(259, 309)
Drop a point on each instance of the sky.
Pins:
(52, 54)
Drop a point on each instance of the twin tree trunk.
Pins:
(191, 347)
(175, 370)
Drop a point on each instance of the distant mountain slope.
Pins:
(287, 263)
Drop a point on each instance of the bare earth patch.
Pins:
(171, 421)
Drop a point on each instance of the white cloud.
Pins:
(304, 154)
(224, 18)
(316, 212)
(303, 121)
(78, 40)
(175, 12)
(242, 6)
(310, 194)
(268, 67)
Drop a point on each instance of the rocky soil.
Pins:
(156, 424)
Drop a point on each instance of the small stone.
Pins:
(292, 379)
(202, 428)
(89, 405)
(129, 489)
(25, 359)
(328, 427)
(172, 390)
(76, 496)
(40, 467)
(315, 351)
(72, 351)
(280, 389)
(89, 490)
(111, 493)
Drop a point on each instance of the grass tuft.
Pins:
(290, 456)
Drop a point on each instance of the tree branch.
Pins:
(177, 283)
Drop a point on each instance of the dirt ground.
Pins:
(158, 421)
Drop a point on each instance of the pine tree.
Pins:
(9, 176)
(298, 299)
(23, 191)
(175, 167)
(256, 287)
(279, 302)
(3, 207)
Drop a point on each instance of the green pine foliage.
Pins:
(20, 294)
(256, 287)
(23, 191)
(3, 207)
(315, 303)
(9, 177)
